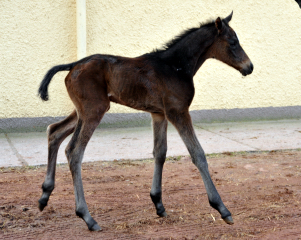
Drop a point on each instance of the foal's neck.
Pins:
(191, 52)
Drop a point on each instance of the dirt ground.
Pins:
(262, 190)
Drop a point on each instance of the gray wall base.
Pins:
(111, 120)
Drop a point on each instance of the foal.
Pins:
(161, 83)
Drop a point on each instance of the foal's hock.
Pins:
(161, 83)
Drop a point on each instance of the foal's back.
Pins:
(142, 83)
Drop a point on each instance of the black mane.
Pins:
(184, 34)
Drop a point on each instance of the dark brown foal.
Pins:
(160, 82)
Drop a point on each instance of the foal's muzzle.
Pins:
(247, 70)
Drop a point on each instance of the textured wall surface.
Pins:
(36, 35)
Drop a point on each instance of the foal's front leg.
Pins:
(160, 148)
(182, 122)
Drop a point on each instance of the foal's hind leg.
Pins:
(160, 148)
(87, 123)
(57, 133)
(182, 122)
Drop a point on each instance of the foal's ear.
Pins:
(219, 24)
(228, 19)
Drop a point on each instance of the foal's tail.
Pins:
(43, 89)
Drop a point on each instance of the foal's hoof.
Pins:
(228, 220)
(42, 204)
(164, 214)
(95, 228)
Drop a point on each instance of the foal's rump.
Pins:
(43, 89)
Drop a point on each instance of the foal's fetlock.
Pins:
(93, 226)
(157, 200)
(42, 203)
(162, 214)
(225, 213)
(47, 190)
(229, 220)
(91, 223)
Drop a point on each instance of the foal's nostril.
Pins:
(248, 69)
(251, 67)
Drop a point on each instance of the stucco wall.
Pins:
(36, 35)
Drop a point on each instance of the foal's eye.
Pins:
(232, 43)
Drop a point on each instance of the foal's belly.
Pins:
(138, 102)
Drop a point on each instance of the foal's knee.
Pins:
(74, 156)
(160, 153)
(69, 152)
(200, 161)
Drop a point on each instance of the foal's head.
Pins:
(227, 49)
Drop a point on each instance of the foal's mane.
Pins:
(206, 25)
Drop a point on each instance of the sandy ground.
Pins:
(262, 190)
